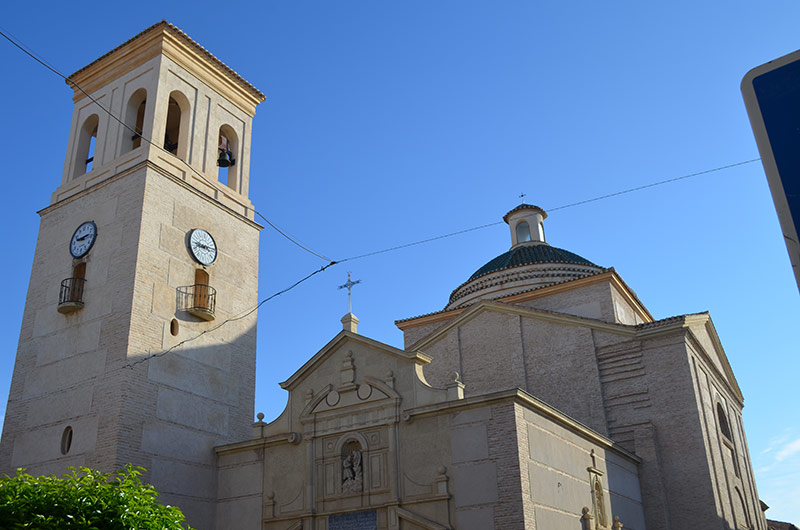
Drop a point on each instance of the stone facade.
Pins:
(430, 458)
(544, 395)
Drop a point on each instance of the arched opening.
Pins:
(66, 440)
(523, 232)
(201, 290)
(79, 279)
(176, 134)
(728, 445)
(228, 154)
(134, 120)
(87, 138)
(724, 427)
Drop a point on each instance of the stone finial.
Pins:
(350, 323)
(269, 505)
(441, 481)
(348, 372)
(586, 518)
(455, 388)
(260, 417)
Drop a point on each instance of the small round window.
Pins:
(66, 440)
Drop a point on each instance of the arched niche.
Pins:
(87, 139)
(176, 132)
(134, 120)
(229, 143)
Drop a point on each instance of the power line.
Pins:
(287, 236)
(47, 65)
(659, 183)
(570, 205)
(293, 240)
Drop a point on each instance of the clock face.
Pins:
(202, 246)
(83, 239)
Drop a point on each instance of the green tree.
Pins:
(84, 499)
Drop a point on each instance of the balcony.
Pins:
(198, 300)
(70, 299)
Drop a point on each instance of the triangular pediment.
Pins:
(706, 341)
(341, 340)
(481, 308)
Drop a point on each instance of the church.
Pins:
(543, 395)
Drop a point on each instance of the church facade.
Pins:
(544, 395)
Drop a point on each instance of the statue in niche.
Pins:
(352, 474)
(599, 505)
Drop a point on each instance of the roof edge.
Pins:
(81, 75)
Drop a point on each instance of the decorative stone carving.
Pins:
(599, 504)
(352, 470)
(348, 373)
(586, 518)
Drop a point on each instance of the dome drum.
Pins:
(531, 263)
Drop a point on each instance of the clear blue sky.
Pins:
(391, 122)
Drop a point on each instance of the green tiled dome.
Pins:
(530, 255)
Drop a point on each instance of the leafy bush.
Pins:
(84, 499)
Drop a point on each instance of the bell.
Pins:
(225, 158)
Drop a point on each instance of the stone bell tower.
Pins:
(148, 242)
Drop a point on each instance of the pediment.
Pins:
(484, 307)
(367, 392)
(705, 338)
(341, 341)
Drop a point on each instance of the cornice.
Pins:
(165, 39)
(148, 164)
(609, 275)
(521, 397)
(726, 376)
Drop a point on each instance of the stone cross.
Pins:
(349, 285)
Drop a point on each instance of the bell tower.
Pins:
(148, 249)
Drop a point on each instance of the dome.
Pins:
(528, 255)
(530, 264)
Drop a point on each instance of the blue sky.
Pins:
(391, 122)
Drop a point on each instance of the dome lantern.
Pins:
(526, 222)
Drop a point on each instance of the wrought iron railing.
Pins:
(71, 296)
(200, 300)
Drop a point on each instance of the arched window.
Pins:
(523, 232)
(79, 275)
(66, 440)
(87, 137)
(134, 119)
(728, 445)
(228, 151)
(176, 135)
(724, 427)
(201, 289)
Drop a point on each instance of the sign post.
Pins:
(772, 96)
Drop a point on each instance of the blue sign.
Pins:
(772, 97)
